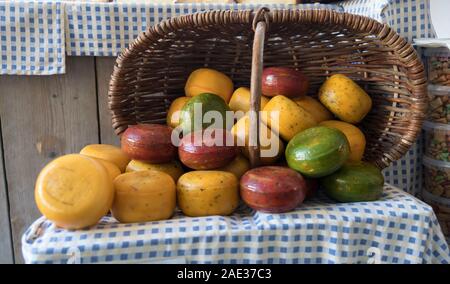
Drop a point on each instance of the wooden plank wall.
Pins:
(6, 254)
(104, 68)
(43, 117)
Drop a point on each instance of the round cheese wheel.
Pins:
(205, 80)
(143, 196)
(240, 100)
(284, 116)
(204, 193)
(318, 111)
(112, 169)
(238, 166)
(354, 135)
(107, 152)
(173, 169)
(173, 114)
(74, 191)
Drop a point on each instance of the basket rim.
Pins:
(405, 52)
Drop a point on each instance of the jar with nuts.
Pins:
(439, 104)
(437, 177)
(437, 140)
(437, 61)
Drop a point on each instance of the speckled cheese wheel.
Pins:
(205, 193)
(143, 196)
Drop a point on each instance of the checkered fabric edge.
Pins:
(102, 29)
(32, 38)
(396, 229)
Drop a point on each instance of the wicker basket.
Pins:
(152, 71)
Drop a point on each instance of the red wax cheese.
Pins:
(284, 81)
(149, 142)
(273, 189)
(207, 149)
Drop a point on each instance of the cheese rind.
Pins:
(107, 152)
(205, 193)
(206, 80)
(74, 191)
(112, 169)
(143, 196)
(174, 168)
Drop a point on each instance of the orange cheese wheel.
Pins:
(74, 191)
(109, 153)
(143, 196)
(205, 80)
(112, 169)
(354, 135)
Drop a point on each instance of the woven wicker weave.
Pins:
(152, 71)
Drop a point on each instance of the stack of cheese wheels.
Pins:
(76, 190)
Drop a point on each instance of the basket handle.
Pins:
(260, 25)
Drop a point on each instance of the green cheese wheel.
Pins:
(317, 151)
(193, 113)
(354, 182)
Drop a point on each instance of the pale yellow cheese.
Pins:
(174, 168)
(107, 152)
(173, 114)
(143, 196)
(285, 117)
(238, 166)
(240, 100)
(271, 146)
(314, 108)
(74, 191)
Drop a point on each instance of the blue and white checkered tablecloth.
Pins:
(396, 229)
(409, 18)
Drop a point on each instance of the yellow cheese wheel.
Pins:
(286, 117)
(112, 169)
(143, 196)
(240, 100)
(205, 193)
(205, 80)
(74, 191)
(346, 99)
(271, 146)
(107, 152)
(354, 135)
(173, 114)
(238, 166)
(173, 169)
(314, 107)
